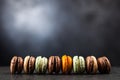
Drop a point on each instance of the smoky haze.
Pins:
(57, 27)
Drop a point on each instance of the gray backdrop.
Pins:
(57, 27)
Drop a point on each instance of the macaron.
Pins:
(78, 64)
(16, 65)
(66, 64)
(29, 64)
(91, 65)
(41, 64)
(104, 65)
(54, 64)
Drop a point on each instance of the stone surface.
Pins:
(5, 75)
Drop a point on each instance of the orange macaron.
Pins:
(66, 64)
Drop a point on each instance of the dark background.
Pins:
(82, 27)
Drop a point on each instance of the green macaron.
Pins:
(44, 64)
(82, 63)
(41, 64)
(78, 64)
(75, 64)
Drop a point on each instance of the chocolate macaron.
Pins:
(16, 65)
(104, 65)
(29, 64)
(91, 65)
(66, 64)
(54, 64)
(41, 64)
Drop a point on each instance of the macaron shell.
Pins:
(101, 65)
(26, 64)
(75, 64)
(44, 65)
(64, 63)
(82, 64)
(95, 65)
(38, 64)
(51, 64)
(107, 64)
(13, 64)
(20, 65)
(87, 64)
(58, 64)
(69, 64)
(31, 64)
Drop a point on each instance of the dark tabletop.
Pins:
(5, 75)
